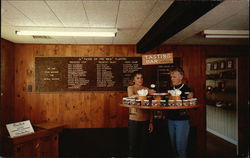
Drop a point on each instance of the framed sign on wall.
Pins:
(58, 74)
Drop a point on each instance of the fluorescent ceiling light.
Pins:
(68, 32)
(226, 33)
(226, 36)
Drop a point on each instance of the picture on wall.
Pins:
(222, 65)
(215, 66)
(209, 66)
(230, 64)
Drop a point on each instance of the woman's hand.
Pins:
(150, 127)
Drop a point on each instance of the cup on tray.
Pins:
(174, 97)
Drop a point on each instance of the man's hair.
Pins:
(178, 69)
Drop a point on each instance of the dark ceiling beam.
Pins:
(178, 16)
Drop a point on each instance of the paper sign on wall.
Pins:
(19, 128)
(155, 59)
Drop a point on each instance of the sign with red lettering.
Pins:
(156, 59)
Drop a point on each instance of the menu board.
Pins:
(55, 74)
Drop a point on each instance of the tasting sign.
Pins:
(156, 59)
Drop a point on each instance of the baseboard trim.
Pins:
(222, 136)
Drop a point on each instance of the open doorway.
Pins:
(221, 98)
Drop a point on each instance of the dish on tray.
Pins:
(160, 94)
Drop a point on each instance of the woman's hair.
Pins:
(178, 69)
(136, 73)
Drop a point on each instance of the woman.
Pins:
(178, 120)
(140, 122)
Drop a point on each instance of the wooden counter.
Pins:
(161, 108)
(42, 143)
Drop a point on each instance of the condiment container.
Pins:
(154, 103)
(124, 101)
(146, 102)
(131, 102)
(163, 103)
(178, 102)
(138, 102)
(185, 102)
(194, 101)
(171, 103)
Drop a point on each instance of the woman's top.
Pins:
(137, 114)
(180, 114)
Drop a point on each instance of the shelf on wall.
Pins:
(225, 92)
(233, 107)
(221, 79)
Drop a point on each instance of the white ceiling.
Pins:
(132, 19)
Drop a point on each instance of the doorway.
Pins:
(221, 98)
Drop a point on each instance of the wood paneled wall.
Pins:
(75, 109)
(7, 83)
(97, 109)
(91, 109)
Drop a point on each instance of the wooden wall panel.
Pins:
(243, 106)
(97, 109)
(76, 109)
(7, 83)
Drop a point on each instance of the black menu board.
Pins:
(55, 74)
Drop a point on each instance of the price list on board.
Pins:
(84, 73)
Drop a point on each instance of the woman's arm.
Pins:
(131, 92)
(151, 91)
